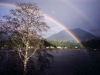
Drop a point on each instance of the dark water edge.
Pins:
(64, 62)
(11, 63)
(75, 62)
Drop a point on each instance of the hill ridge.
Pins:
(81, 34)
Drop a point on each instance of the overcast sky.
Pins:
(83, 14)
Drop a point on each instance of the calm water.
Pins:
(75, 62)
(65, 62)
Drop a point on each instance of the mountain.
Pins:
(79, 33)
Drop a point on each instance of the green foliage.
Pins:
(10, 44)
(70, 45)
(92, 44)
(47, 43)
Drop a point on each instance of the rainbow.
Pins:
(53, 20)
(80, 13)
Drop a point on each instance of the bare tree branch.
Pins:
(24, 27)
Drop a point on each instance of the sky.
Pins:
(84, 14)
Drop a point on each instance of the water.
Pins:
(64, 62)
(75, 62)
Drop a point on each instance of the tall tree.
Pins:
(23, 25)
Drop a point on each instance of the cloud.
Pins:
(76, 14)
(54, 28)
(52, 31)
(95, 30)
(53, 12)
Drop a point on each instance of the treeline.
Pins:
(67, 44)
(93, 44)
(9, 44)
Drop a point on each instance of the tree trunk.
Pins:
(25, 59)
(25, 66)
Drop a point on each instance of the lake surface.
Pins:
(75, 62)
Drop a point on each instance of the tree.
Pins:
(23, 25)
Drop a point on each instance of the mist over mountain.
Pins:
(81, 34)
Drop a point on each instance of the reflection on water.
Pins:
(75, 62)
(11, 64)
(53, 62)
